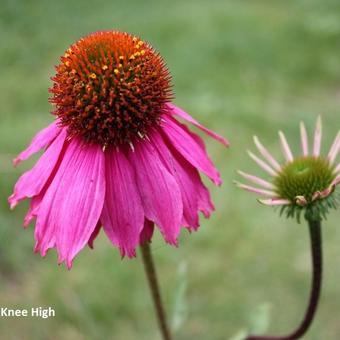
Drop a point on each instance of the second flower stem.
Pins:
(155, 291)
(316, 249)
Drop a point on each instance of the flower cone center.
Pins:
(110, 88)
(303, 177)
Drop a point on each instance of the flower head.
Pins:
(304, 183)
(115, 156)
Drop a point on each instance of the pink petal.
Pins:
(275, 201)
(205, 204)
(161, 196)
(123, 215)
(71, 207)
(194, 194)
(179, 112)
(336, 181)
(256, 180)
(337, 168)
(256, 190)
(33, 209)
(32, 182)
(304, 139)
(327, 191)
(191, 147)
(266, 154)
(316, 195)
(40, 141)
(94, 234)
(317, 138)
(147, 232)
(262, 164)
(285, 147)
(334, 150)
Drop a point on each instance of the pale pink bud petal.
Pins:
(256, 180)
(337, 168)
(285, 147)
(255, 190)
(266, 154)
(317, 137)
(275, 201)
(304, 139)
(262, 164)
(334, 150)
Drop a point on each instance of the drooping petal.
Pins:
(190, 146)
(71, 207)
(123, 215)
(33, 209)
(147, 232)
(205, 204)
(32, 182)
(325, 193)
(334, 150)
(274, 201)
(267, 155)
(317, 137)
(39, 141)
(181, 113)
(94, 234)
(262, 164)
(161, 196)
(192, 189)
(285, 147)
(256, 190)
(188, 192)
(304, 139)
(256, 180)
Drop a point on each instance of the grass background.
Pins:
(240, 67)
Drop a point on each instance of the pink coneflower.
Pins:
(305, 182)
(115, 156)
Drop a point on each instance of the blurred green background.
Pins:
(241, 68)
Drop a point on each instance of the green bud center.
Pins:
(303, 177)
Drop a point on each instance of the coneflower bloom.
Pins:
(305, 182)
(115, 156)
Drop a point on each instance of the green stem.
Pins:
(155, 291)
(316, 249)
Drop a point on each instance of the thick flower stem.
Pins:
(155, 291)
(316, 248)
